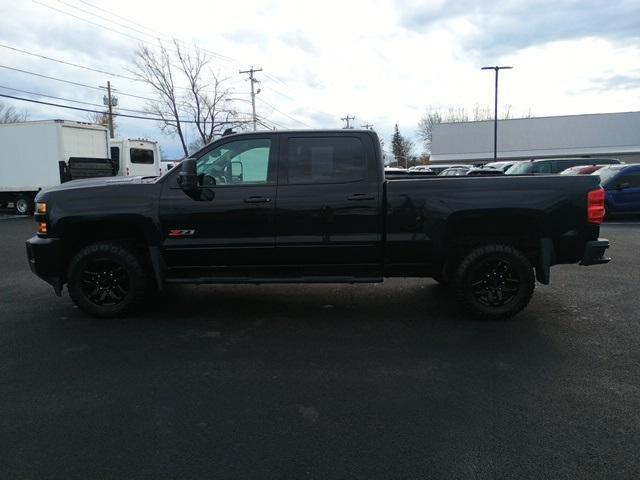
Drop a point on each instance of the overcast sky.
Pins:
(385, 62)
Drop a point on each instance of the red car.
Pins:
(581, 170)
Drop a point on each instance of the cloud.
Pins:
(505, 27)
(617, 82)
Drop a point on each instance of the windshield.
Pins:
(520, 168)
(607, 173)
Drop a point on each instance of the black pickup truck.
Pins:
(311, 206)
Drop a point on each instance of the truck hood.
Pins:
(99, 182)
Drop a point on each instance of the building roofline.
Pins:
(544, 117)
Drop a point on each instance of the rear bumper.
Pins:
(44, 256)
(594, 252)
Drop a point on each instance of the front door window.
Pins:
(236, 162)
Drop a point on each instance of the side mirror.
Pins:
(236, 171)
(188, 181)
(188, 178)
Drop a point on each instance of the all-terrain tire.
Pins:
(494, 281)
(106, 279)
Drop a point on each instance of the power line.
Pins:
(74, 83)
(92, 23)
(156, 34)
(88, 68)
(137, 117)
(69, 99)
(285, 114)
(69, 63)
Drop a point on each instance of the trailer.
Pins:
(40, 154)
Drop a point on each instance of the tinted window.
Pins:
(632, 178)
(325, 160)
(241, 161)
(141, 155)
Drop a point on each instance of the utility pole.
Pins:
(251, 71)
(368, 126)
(495, 111)
(110, 102)
(348, 119)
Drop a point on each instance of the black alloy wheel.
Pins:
(105, 281)
(494, 281)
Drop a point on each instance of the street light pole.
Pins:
(495, 110)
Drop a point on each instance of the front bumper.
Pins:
(44, 256)
(594, 252)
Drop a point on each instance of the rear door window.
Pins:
(325, 160)
(141, 155)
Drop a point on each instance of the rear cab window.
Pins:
(141, 155)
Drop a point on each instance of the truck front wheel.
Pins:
(106, 279)
(494, 281)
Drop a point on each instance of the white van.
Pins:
(135, 157)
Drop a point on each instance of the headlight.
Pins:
(41, 208)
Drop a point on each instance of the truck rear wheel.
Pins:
(106, 279)
(24, 205)
(494, 281)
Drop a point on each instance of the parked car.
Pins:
(502, 166)
(454, 171)
(581, 170)
(311, 206)
(439, 167)
(621, 184)
(420, 168)
(556, 165)
(476, 172)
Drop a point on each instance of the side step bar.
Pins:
(259, 280)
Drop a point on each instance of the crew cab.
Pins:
(312, 206)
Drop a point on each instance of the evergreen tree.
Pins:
(402, 149)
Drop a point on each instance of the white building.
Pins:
(614, 135)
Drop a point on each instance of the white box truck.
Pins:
(40, 154)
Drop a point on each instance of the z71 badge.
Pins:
(181, 233)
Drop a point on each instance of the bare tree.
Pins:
(426, 124)
(9, 114)
(102, 118)
(190, 98)
(433, 117)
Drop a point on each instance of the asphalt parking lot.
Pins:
(327, 381)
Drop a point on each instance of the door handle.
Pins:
(257, 200)
(360, 196)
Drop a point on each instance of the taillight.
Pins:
(595, 205)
